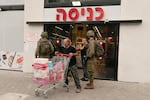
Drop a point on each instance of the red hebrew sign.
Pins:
(74, 14)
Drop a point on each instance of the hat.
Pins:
(90, 33)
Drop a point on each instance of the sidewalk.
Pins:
(13, 83)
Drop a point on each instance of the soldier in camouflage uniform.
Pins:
(44, 37)
(91, 59)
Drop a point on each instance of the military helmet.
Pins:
(90, 33)
(44, 34)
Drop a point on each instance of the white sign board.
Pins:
(81, 13)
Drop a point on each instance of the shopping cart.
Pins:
(52, 72)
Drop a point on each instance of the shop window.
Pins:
(107, 34)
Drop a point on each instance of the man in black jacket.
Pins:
(68, 49)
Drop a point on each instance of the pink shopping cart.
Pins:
(50, 72)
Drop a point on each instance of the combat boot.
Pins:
(89, 85)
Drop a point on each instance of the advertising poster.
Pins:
(11, 60)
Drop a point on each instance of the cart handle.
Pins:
(61, 54)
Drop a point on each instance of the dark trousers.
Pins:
(84, 66)
(73, 70)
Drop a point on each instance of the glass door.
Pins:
(107, 66)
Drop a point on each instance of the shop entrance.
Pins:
(107, 67)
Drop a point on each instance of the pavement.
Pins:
(19, 86)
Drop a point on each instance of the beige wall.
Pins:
(33, 11)
(134, 63)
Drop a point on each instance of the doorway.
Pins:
(107, 67)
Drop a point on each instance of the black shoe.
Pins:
(84, 79)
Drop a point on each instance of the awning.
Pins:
(88, 22)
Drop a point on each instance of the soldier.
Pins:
(91, 59)
(44, 47)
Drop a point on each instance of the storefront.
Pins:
(124, 27)
(73, 22)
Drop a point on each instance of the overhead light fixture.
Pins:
(66, 31)
(76, 3)
(58, 28)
